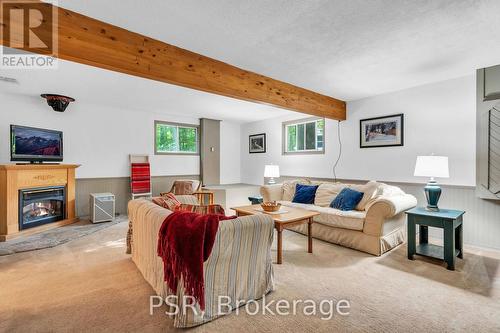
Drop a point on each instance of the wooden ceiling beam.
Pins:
(88, 41)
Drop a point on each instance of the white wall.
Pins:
(230, 162)
(101, 138)
(439, 118)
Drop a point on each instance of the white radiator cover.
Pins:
(102, 207)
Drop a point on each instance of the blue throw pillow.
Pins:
(347, 199)
(305, 193)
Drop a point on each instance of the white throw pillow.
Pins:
(326, 193)
(389, 190)
(370, 192)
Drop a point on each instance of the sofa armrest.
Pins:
(271, 192)
(384, 209)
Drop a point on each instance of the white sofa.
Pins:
(375, 227)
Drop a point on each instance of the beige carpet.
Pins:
(90, 285)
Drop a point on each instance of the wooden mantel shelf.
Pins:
(15, 177)
(37, 166)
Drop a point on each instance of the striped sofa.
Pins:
(239, 267)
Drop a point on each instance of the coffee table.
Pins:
(292, 217)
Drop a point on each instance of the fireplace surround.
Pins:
(17, 181)
(40, 206)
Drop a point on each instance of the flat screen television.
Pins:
(35, 145)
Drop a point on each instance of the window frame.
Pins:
(304, 121)
(178, 125)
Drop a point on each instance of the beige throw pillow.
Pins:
(289, 188)
(326, 193)
(370, 192)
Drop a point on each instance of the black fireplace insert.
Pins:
(41, 206)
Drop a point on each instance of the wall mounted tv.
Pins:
(35, 145)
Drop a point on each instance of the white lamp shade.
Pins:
(272, 171)
(432, 166)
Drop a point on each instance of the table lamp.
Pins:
(432, 166)
(271, 171)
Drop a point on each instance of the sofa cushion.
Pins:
(289, 188)
(347, 199)
(326, 193)
(305, 193)
(353, 220)
(370, 192)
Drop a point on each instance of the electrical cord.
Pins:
(340, 152)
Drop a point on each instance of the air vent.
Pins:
(9, 80)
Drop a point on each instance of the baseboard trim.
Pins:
(470, 248)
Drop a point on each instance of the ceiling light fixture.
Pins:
(58, 103)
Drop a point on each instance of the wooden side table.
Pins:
(451, 221)
(205, 197)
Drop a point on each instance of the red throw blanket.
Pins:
(185, 242)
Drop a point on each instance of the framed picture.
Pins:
(257, 143)
(385, 131)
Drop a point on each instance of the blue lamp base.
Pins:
(432, 194)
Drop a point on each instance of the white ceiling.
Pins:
(347, 49)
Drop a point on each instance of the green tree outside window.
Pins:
(173, 138)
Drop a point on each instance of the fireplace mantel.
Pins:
(15, 177)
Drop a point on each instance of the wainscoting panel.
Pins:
(481, 220)
(120, 187)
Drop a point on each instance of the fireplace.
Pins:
(41, 206)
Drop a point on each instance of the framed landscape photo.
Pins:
(257, 143)
(387, 131)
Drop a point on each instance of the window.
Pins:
(173, 138)
(304, 136)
